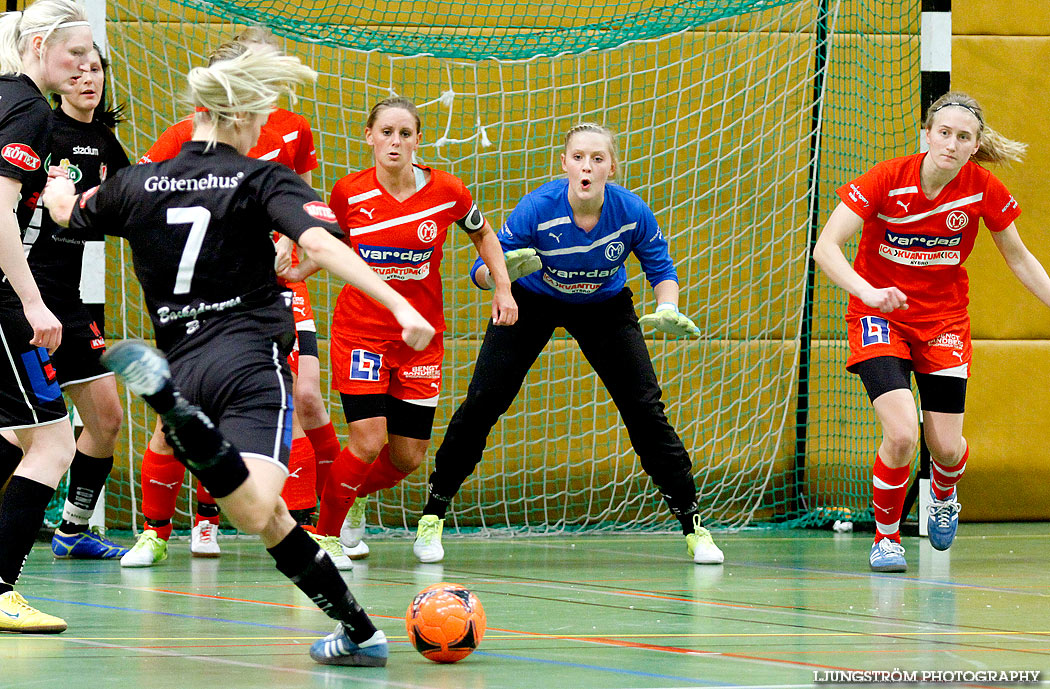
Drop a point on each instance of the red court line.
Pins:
(604, 642)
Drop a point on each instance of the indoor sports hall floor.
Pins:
(574, 613)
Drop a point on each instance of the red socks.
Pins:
(162, 477)
(341, 489)
(326, 449)
(383, 474)
(299, 490)
(891, 487)
(944, 478)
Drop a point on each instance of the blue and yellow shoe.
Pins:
(943, 521)
(338, 649)
(88, 545)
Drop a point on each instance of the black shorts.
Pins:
(78, 359)
(243, 384)
(402, 418)
(29, 391)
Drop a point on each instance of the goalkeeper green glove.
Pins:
(668, 320)
(521, 262)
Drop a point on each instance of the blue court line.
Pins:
(943, 583)
(602, 668)
(176, 614)
(560, 663)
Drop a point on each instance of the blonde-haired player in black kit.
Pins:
(199, 230)
(43, 49)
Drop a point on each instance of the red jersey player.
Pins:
(918, 217)
(396, 216)
(286, 138)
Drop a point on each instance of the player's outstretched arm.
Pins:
(504, 308)
(1023, 263)
(667, 318)
(339, 259)
(828, 254)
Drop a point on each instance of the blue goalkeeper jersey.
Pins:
(582, 267)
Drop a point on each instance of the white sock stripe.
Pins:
(882, 485)
(938, 469)
(888, 529)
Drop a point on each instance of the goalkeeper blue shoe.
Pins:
(88, 545)
(943, 521)
(887, 555)
(338, 649)
(143, 368)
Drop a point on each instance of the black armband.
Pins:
(473, 220)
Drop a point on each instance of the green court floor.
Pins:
(579, 613)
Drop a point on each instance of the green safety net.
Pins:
(737, 120)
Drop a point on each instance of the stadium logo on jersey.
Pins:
(614, 251)
(72, 171)
(85, 151)
(922, 240)
(87, 195)
(21, 155)
(209, 181)
(856, 196)
(874, 330)
(957, 220)
(428, 231)
(320, 211)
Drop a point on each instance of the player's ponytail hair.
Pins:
(597, 129)
(995, 148)
(42, 17)
(229, 91)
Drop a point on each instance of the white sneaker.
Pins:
(353, 530)
(330, 544)
(204, 539)
(428, 539)
(148, 550)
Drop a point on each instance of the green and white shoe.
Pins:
(428, 539)
(702, 547)
(353, 530)
(330, 544)
(148, 550)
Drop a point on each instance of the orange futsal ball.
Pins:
(445, 622)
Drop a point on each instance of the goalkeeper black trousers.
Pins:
(611, 340)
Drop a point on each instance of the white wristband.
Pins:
(666, 306)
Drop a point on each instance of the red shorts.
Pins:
(304, 320)
(941, 346)
(367, 366)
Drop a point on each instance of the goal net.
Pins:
(721, 109)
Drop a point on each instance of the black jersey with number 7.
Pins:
(199, 228)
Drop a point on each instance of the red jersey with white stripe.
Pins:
(285, 137)
(401, 241)
(918, 244)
